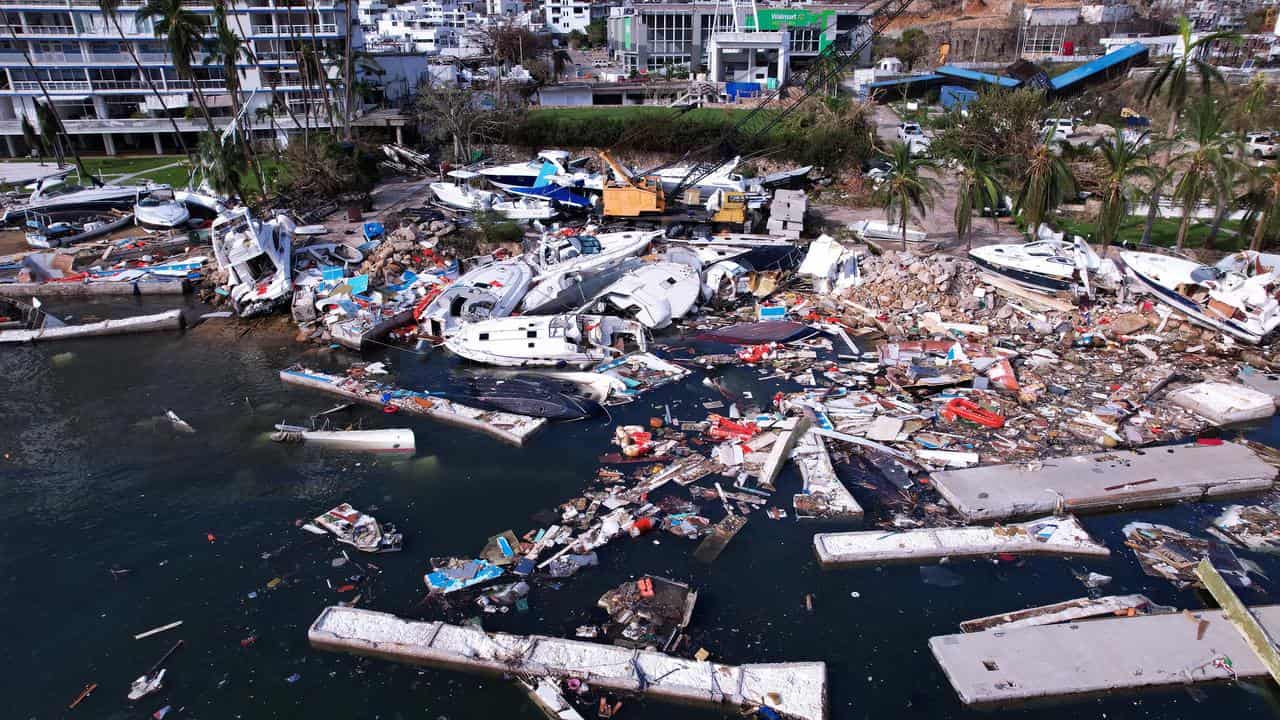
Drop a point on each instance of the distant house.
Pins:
(889, 66)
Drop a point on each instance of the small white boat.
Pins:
(354, 528)
(461, 195)
(161, 211)
(654, 294)
(146, 684)
(550, 341)
(545, 693)
(1237, 296)
(722, 177)
(489, 291)
(561, 261)
(258, 258)
(393, 441)
(524, 208)
(883, 234)
(1047, 266)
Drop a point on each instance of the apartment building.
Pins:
(760, 43)
(107, 106)
(565, 16)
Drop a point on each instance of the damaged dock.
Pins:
(1105, 481)
(794, 690)
(1046, 536)
(507, 427)
(1083, 658)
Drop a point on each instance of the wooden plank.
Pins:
(1254, 634)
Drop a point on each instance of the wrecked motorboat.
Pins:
(56, 194)
(391, 440)
(581, 288)
(1046, 266)
(61, 228)
(461, 195)
(493, 290)
(354, 528)
(547, 165)
(161, 211)
(654, 294)
(551, 341)
(563, 260)
(1234, 297)
(258, 259)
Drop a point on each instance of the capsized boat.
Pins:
(581, 287)
(389, 440)
(1237, 296)
(354, 528)
(1047, 266)
(540, 396)
(258, 259)
(563, 260)
(161, 211)
(654, 294)
(550, 341)
(493, 290)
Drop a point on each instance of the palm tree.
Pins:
(1047, 182)
(52, 109)
(906, 191)
(321, 75)
(1205, 164)
(977, 187)
(227, 49)
(184, 32)
(1125, 161)
(111, 10)
(351, 13)
(1172, 77)
(1264, 201)
(560, 59)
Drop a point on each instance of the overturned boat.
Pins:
(527, 394)
(550, 341)
(354, 528)
(53, 194)
(258, 259)
(493, 290)
(561, 261)
(391, 440)
(1237, 296)
(654, 294)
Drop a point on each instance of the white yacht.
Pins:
(561, 261)
(548, 341)
(654, 294)
(1237, 296)
(493, 290)
(258, 259)
(463, 196)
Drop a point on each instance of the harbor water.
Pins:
(94, 479)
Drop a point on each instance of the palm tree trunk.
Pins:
(1264, 219)
(53, 109)
(1183, 227)
(353, 6)
(152, 86)
(304, 79)
(322, 76)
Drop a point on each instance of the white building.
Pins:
(566, 16)
(107, 104)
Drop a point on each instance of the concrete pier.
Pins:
(1046, 536)
(796, 690)
(1105, 481)
(1060, 661)
(507, 427)
(82, 289)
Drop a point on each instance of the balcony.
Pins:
(44, 30)
(83, 86)
(63, 86)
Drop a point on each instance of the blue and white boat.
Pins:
(527, 174)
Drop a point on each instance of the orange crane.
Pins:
(627, 196)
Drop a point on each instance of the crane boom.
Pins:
(830, 64)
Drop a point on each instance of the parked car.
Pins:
(1062, 128)
(913, 136)
(1259, 145)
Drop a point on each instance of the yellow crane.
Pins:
(626, 196)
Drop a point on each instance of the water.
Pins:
(93, 478)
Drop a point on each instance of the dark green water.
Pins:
(95, 479)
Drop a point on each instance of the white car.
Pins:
(1062, 128)
(1259, 145)
(913, 136)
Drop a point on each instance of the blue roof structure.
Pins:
(1099, 66)
(960, 73)
(898, 82)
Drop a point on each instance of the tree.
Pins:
(1002, 126)
(912, 47)
(455, 115)
(1047, 182)
(977, 186)
(905, 191)
(224, 163)
(560, 59)
(183, 31)
(1172, 80)
(227, 49)
(1263, 199)
(1204, 165)
(111, 10)
(1125, 161)
(597, 33)
(327, 169)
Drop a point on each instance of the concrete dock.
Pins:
(1060, 661)
(795, 690)
(507, 427)
(1105, 481)
(1046, 536)
(97, 289)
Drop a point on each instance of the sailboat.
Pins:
(561, 261)
(493, 290)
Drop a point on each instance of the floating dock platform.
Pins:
(1046, 536)
(82, 289)
(169, 320)
(507, 427)
(1000, 667)
(1104, 481)
(795, 690)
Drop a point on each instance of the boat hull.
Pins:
(1192, 309)
(1038, 282)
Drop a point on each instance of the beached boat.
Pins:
(391, 440)
(654, 294)
(884, 235)
(258, 259)
(581, 287)
(550, 341)
(560, 262)
(489, 291)
(527, 174)
(57, 194)
(354, 528)
(1048, 266)
(722, 177)
(61, 228)
(21, 322)
(161, 211)
(175, 268)
(555, 194)
(1237, 297)
(460, 195)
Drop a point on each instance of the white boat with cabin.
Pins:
(493, 290)
(561, 261)
(548, 341)
(653, 294)
(258, 259)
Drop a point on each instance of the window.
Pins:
(805, 40)
(669, 33)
